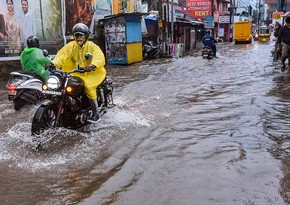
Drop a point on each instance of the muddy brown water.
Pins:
(184, 131)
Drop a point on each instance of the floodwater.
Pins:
(186, 131)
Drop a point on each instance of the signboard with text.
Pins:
(224, 19)
(209, 22)
(277, 17)
(198, 8)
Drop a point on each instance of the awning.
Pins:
(151, 17)
(190, 22)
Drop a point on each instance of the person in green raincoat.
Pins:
(72, 55)
(32, 59)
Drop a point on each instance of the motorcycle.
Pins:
(150, 51)
(206, 52)
(24, 88)
(66, 103)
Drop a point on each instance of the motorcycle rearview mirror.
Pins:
(88, 56)
(45, 52)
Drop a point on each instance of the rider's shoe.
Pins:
(94, 119)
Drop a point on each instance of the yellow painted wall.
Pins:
(115, 9)
(134, 52)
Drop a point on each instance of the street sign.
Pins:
(208, 22)
(224, 19)
(277, 17)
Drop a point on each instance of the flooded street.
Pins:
(186, 131)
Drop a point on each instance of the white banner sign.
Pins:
(224, 19)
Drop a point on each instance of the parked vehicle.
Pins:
(24, 88)
(242, 32)
(151, 51)
(66, 103)
(264, 34)
(206, 52)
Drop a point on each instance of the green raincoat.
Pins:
(71, 55)
(32, 60)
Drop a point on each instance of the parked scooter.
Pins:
(206, 52)
(150, 51)
(24, 88)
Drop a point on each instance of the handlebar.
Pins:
(76, 70)
(80, 70)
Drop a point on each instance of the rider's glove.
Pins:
(90, 67)
(50, 67)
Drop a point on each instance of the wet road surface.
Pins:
(185, 131)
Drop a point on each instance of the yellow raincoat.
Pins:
(72, 54)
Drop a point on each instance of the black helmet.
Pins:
(32, 41)
(82, 29)
(207, 32)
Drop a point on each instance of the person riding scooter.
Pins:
(71, 55)
(32, 59)
(208, 40)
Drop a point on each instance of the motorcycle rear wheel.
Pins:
(44, 118)
(18, 103)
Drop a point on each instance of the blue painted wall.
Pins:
(133, 32)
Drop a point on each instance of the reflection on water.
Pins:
(277, 129)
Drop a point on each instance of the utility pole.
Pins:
(259, 7)
(232, 11)
(281, 5)
(172, 25)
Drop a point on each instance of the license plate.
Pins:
(50, 92)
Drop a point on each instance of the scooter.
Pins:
(24, 88)
(206, 52)
(150, 51)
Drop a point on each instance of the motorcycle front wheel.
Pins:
(44, 118)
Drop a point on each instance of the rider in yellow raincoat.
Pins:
(72, 54)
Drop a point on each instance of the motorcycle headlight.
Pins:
(53, 82)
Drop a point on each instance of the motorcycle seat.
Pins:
(27, 74)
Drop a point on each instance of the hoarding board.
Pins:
(199, 8)
(50, 20)
(277, 17)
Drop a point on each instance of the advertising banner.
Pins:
(50, 20)
(277, 17)
(20, 19)
(199, 8)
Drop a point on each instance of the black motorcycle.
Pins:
(66, 102)
(207, 52)
(151, 51)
